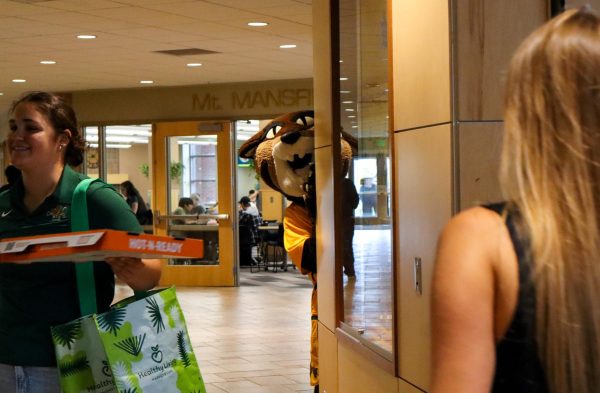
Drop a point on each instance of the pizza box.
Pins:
(96, 245)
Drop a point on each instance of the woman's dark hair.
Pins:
(183, 202)
(62, 117)
(130, 189)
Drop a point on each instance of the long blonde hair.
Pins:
(551, 171)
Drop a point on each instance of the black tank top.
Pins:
(518, 367)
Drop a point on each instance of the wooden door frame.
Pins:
(211, 275)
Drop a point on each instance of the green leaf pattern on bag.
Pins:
(112, 320)
(75, 364)
(182, 351)
(66, 334)
(155, 314)
(82, 362)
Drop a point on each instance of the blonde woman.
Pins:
(517, 285)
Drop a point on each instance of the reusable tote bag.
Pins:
(140, 345)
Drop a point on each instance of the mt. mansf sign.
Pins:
(253, 99)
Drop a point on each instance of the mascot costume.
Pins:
(283, 158)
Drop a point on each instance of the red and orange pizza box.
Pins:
(96, 245)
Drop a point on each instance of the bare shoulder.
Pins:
(473, 219)
(475, 228)
(468, 249)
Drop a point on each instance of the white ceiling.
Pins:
(131, 31)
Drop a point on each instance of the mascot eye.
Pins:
(272, 132)
(306, 121)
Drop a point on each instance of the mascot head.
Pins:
(283, 152)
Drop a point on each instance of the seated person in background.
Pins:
(186, 205)
(248, 231)
(12, 174)
(252, 209)
(198, 209)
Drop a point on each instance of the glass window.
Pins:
(193, 191)
(364, 113)
(120, 153)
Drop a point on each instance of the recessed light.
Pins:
(345, 91)
(86, 36)
(19, 80)
(287, 46)
(258, 24)
(349, 110)
(147, 82)
(343, 79)
(47, 62)
(354, 126)
(347, 102)
(341, 61)
(1, 94)
(351, 116)
(194, 64)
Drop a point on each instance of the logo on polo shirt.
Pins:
(4, 214)
(57, 213)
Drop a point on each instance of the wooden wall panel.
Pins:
(328, 361)
(357, 374)
(480, 146)
(487, 33)
(421, 66)
(326, 239)
(423, 189)
(322, 73)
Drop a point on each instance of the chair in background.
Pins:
(272, 249)
(246, 245)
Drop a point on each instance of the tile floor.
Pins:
(254, 338)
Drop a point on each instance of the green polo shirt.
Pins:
(35, 296)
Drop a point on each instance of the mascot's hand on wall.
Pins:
(310, 192)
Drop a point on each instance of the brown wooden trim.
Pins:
(336, 156)
(395, 225)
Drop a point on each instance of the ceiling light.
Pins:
(347, 102)
(354, 126)
(351, 116)
(1, 94)
(341, 61)
(287, 46)
(86, 36)
(258, 24)
(343, 79)
(112, 145)
(19, 80)
(345, 91)
(148, 82)
(349, 110)
(194, 64)
(47, 62)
